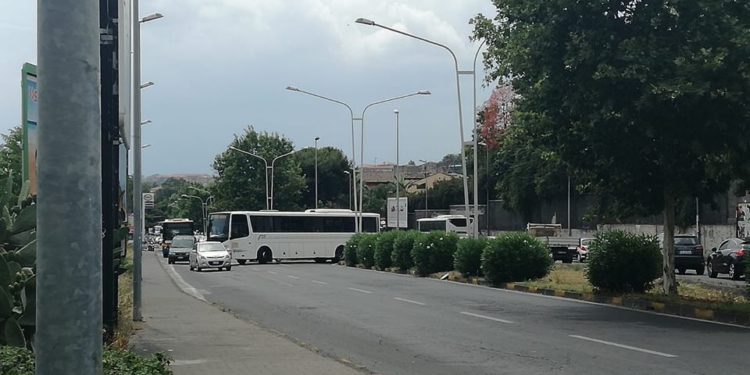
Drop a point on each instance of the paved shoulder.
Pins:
(205, 340)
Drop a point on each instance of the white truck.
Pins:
(561, 248)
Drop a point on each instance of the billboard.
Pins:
(743, 220)
(148, 201)
(30, 122)
(398, 214)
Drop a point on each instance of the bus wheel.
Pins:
(339, 255)
(242, 261)
(265, 255)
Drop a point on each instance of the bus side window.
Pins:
(239, 227)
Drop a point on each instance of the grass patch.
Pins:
(124, 329)
(567, 277)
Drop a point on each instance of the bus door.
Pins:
(239, 243)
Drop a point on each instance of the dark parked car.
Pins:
(688, 253)
(728, 258)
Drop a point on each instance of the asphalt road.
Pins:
(395, 324)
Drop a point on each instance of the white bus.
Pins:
(448, 223)
(267, 235)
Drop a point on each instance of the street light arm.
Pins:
(372, 23)
(282, 156)
(295, 89)
(250, 154)
(423, 92)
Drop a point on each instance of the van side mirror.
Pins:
(713, 250)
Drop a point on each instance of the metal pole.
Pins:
(570, 229)
(269, 198)
(398, 179)
(487, 171)
(476, 142)
(138, 221)
(69, 274)
(316, 172)
(698, 220)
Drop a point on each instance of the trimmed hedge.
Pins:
(350, 249)
(623, 262)
(515, 257)
(402, 245)
(366, 250)
(21, 361)
(434, 252)
(468, 257)
(384, 248)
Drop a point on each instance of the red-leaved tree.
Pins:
(497, 114)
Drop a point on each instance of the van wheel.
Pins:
(242, 261)
(265, 255)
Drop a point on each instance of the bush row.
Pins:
(21, 361)
(509, 257)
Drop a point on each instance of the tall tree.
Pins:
(333, 182)
(11, 158)
(240, 178)
(646, 101)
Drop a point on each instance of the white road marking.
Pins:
(272, 273)
(254, 268)
(410, 301)
(486, 317)
(319, 282)
(183, 362)
(293, 277)
(183, 285)
(360, 290)
(284, 265)
(278, 281)
(624, 346)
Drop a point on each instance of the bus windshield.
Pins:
(218, 227)
(175, 229)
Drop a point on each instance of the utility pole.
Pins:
(69, 252)
(398, 178)
(316, 172)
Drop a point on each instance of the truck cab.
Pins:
(562, 248)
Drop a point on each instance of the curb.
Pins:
(667, 308)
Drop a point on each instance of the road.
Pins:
(396, 324)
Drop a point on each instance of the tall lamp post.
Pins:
(204, 207)
(368, 22)
(269, 197)
(350, 188)
(316, 172)
(425, 186)
(362, 138)
(398, 176)
(475, 130)
(137, 162)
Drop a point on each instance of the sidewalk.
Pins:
(204, 340)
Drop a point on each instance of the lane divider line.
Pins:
(624, 346)
(410, 301)
(293, 277)
(272, 273)
(319, 282)
(486, 317)
(278, 281)
(360, 290)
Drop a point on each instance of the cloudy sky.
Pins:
(221, 65)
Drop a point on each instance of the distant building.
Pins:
(418, 186)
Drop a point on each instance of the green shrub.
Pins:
(434, 252)
(515, 257)
(384, 249)
(468, 257)
(402, 246)
(350, 249)
(20, 361)
(366, 250)
(623, 262)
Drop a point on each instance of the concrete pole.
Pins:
(398, 179)
(138, 211)
(316, 172)
(69, 252)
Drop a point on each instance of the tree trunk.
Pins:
(669, 282)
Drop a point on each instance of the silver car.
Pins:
(210, 255)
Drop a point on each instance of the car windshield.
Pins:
(182, 242)
(586, 241)
(211, 247)
(682, 241)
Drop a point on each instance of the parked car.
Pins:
(688, 253)
(583, 249)
(728, 258)
(210, 255)
(180, 248)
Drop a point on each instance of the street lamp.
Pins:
(476, 139)
(369, 22)
(425, 185)
(204, 206)
(398, 177)
(316, 172)
(362, 138)
(269, 198)
(137, 162)
(147, 84)
(350, 188)
(145, 122)
(147, 145)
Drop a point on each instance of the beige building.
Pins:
(418, 186)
